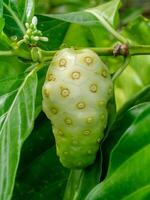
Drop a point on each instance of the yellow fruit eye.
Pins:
(46, 92)
(59, 132)
(93, 88)
(62, 62)
(65, 92)
(89, 120)
(68, 121)
(88, 60)
(81, 105)
(87, 132)
(54, 110)
(50, 77)
(104, 73)
(75, 75)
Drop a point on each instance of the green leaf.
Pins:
(138, 33)
(16, 126)
(141, 97)
(11, 67)
(77, 36)
(5, 43)
(79, 17)
(126, 91)
(24, 9)
(140, 26)
(129, 161)
(135, 138)
(108, 11)
(85, 36)
(141, 194)
(125, 117)
(8, 91)
(40, 175)
(16, 13)
(1, 8)
(2, 23)
(137, 73)
(80, 182)
(44, 178)
(14, 25)
(54, 29)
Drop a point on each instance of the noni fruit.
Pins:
(75, 95)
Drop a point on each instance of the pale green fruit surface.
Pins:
(75, 95)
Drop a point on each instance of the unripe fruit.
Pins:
(75, 95)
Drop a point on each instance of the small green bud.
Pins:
(35, 38)
(44, 39)
(26, 37)
(29, 31)
(27, 25)
(34, 20)
(14, 38)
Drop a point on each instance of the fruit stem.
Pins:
(103, 51)
(121, 68)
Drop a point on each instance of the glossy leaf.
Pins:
(77, 36)
(15, 128)
(16, 13)
(137, 73)
(24, 9)
(129, 162)
(11, 67)
(1, 8)
(125, 116)
(40, 175)
(141, 97)
(44, 178)
(54, 29)
(80, 182)
(108, 11)
(2, 23)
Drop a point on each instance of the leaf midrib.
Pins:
(15, 99)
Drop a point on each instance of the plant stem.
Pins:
(139, 50)
(121, 68)
(22, 53)
(133, 50)
(6, 53)
(17, 52)
(102, 51)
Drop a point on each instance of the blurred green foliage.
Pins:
(130, 9)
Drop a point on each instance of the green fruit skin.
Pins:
(75, 95)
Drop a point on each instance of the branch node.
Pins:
(121, 49)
